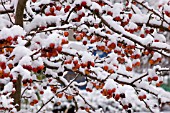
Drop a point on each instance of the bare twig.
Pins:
(69, 14)
(87, 102)
(7, 12)
(151, 10)
(147, 106)
(75, 102)
(45, 104)
(24, 92)
(144, 75)
(57, 28)
(68, 84)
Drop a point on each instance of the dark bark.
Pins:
(6, 11)
(19, 12)
(19, 21)
(17, 94)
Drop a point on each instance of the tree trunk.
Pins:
(19, 21)
(17, 94)
(19, 12)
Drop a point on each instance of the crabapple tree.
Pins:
(42, 40)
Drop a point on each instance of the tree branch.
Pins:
(152, 10)
(87, 102)
(44, 104)
(7, 12)
(130, 38)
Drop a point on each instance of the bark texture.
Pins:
(19, 21)
(17, 94)
(19, 12)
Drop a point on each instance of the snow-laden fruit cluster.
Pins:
(105, 43)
